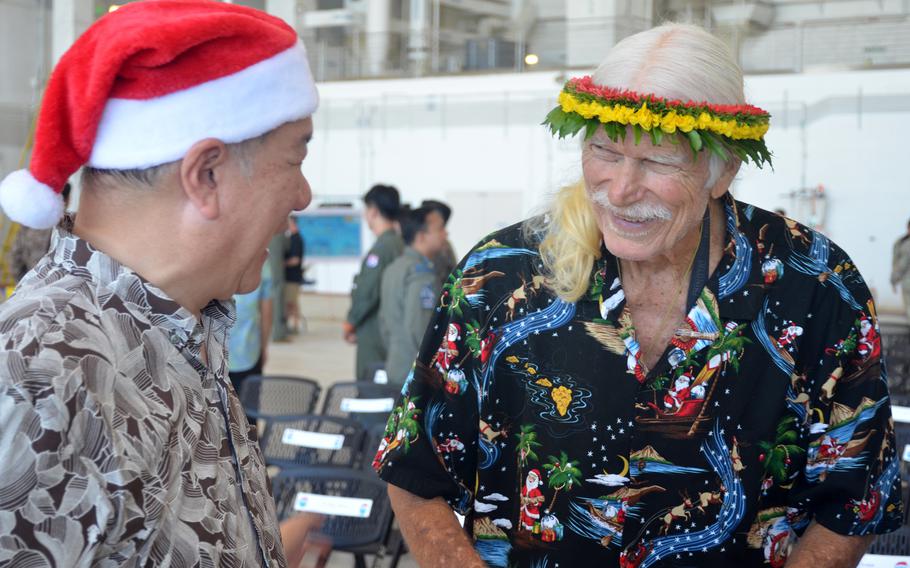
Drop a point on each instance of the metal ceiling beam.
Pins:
(480, 7)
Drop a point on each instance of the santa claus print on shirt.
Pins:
(448, 351)
(531, 499)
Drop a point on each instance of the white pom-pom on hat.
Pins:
(28, 201)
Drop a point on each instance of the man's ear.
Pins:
(202, 173)
(722, 185)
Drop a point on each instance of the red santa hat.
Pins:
(535, 473)
(146, 82)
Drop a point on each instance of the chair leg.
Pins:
(399, 551)
(359, 561)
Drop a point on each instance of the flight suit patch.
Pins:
(427, 297)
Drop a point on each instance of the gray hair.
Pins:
(148, 178)
(676, 61)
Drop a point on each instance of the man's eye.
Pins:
(660, 167)
(604, 152)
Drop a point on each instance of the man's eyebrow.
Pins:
(672, 159)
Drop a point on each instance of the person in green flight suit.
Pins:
(409, 290)
(444, 261)
(362, 323)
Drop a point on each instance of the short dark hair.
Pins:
(412, 221)
(385, 198)
(439, 206)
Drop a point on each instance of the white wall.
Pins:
(23, 27)
(465, 137)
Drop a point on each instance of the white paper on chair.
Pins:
(330, 505)
(906, 455)
(318, 440)
(882, 561)
(901, 414)
(367, 404)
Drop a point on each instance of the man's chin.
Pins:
(246, 288)
(252, 278)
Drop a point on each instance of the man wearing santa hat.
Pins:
(121, 439)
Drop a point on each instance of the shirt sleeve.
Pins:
(420, 303)
(265, 285)
(365, 295)
(430, 444)
(62, 497)
(899, 261)
(850, 483)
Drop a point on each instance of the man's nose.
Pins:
(626, 188)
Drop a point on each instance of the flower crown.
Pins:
(721, 129)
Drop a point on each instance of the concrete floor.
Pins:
(319, 353)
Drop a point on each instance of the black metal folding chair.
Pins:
(374, 368)
(368, 403)
(896, 345)
(271, 396)
(892, 544)
(311, 439)
(357, 511)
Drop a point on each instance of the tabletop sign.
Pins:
(330, 505)
(317, 440)
(901, 414)
(367, 404)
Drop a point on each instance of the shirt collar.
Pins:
(110, 277)
(741, 288)
(411, 251)
(736, 282)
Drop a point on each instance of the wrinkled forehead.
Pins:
(667, 152)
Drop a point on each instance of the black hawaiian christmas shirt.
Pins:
(535, 418)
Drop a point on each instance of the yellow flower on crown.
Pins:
(643, 117)
(686, 123)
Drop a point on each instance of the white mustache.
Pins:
(638, 212)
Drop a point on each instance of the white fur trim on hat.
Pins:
(28, 201)
(136, 134)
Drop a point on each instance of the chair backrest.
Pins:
(362, 516)
(896, 543)
(270, 396)
(371, 442)
(896, 346)
(310, 439)
(378, 367)
(368, 403)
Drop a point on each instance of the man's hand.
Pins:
(349, 332)
(301, 538)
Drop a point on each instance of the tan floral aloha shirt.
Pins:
(119, 445)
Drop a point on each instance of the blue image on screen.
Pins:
(330, 235)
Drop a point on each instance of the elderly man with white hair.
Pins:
(636, 345)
